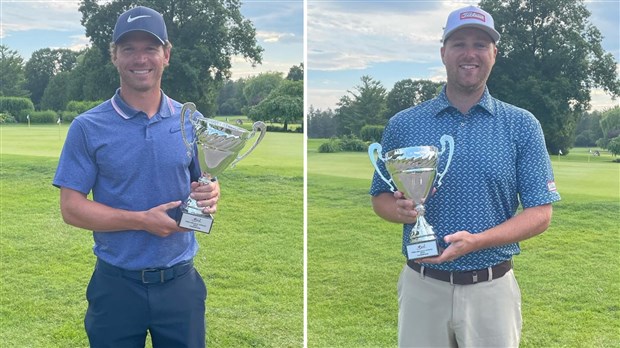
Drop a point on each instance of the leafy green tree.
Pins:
(205, 34)
(610, 123)
(407, 93)
(45, 64)
(321, 124)
(284, 104)
(365, 106)
(296, 72)
(258, 87)
(549, 58)
(230, 99)
(614, 146)
(56, 95)
(12, 78)
(588, 129)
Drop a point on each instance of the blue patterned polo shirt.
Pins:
(500, 161)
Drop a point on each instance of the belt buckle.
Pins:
(161, 275)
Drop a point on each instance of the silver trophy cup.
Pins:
(413, 171)
(219, 144)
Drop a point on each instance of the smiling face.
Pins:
(469, 55)
(140, 60)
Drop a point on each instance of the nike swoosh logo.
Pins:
(129, 20)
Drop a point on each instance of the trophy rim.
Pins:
(223, 124)
(403, 150)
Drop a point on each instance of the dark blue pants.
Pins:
(123, 307)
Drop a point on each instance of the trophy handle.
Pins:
(374, 152)
(260, 126)
(192, 109)
(445, 139)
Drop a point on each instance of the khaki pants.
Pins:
(434, 313)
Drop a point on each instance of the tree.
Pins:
(367, 106)
(321, 124)
(408, 93)
(45, 64)
(284, 104)
(205, 35)
(258, 87)
(549, 58)
(614, 146)
(588, 129)
(296, 73)
(11, 73)
(230, 99)
(56, 95)
(610, 125)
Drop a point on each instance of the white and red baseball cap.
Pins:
(141, 19)
(470, 17)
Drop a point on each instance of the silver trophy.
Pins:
(219, 144)
(413, 171)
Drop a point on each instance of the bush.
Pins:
(16, 106)
(7, 118)
(80, 107)
(68, 116)
(372, 133)
(330, 147)
(352, 143)
(344, 143)
(47, 116)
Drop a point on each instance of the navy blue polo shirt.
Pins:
(131, 162)
(500, 162)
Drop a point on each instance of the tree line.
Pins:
(203, 46)
(549, 59)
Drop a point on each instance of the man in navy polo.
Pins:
(468, 296)
(128, 152)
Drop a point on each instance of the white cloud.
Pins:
(272, 37)
(339, 39)
(41, 15)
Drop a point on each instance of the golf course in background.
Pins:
(569, 276)
(252, 261)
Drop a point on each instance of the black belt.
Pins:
(464, 278)
(147, 276)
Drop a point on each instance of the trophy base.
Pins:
(425, 248)
(197, 222)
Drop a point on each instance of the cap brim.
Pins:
(142, 30)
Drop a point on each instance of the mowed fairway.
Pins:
(252, 261)
(569, 276)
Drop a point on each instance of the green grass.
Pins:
(569, 276)
(252, 261)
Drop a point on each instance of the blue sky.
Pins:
(392, 40)
(27, 26)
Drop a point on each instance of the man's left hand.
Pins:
(206, 196)
(460, 243)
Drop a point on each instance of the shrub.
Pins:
(82, 106)
(7, 118)
(68, 116)
(344, 143)
(352, 143)
(330, 147)
(16, 106)
(47, 116)
(372, 133)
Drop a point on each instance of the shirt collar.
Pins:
(442, 102)
(125, 111)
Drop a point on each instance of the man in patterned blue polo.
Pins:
(468, 296)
